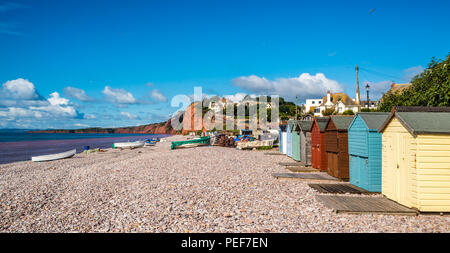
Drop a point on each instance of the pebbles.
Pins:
(204, 189)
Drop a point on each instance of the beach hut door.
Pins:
(401, 170)
(364, 173)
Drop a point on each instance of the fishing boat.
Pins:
(202, 141)
(150, 143)
(130, 145)
(52, 157)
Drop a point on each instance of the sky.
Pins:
(110, 63)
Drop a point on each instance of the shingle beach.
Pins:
(155, 189)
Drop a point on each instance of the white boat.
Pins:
(131, 145)
(52, 157)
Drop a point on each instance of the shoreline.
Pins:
(155, 189)
(23, 150)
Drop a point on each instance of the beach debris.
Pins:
(255, 144)
(223, 140)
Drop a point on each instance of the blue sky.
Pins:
(119, 63)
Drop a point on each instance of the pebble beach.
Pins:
(155, 189)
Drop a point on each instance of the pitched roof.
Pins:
(400, 87)
(342, 122)
(397, 88)
(420, 109)
(373, 120)
(436, 120)
(292, 124)
(283, 128)
(305, 125)
(336, 97)
(322, 122)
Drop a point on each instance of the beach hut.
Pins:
(415, 157)
(305, 141)
(282, 139)
(318, 153)
(336, 146)
(364, 148)
(289, 138)
(296, 141)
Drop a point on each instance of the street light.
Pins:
(367, 89)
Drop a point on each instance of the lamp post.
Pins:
(367, 89)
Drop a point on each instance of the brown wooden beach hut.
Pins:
(305, 141)
(318, 153)
(336, 146)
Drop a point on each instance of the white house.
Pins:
(313, 105)
(340, 102)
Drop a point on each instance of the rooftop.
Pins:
(374, 120)
(421, 120)
(342, 122)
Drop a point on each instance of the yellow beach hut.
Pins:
(416, 157)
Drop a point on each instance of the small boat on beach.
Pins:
(130, 145)
(150, 143)
(52, 157)
(202, 141)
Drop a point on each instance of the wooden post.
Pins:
(358, 100)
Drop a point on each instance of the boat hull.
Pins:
(130, 145)
(52, 157)
(203, 141)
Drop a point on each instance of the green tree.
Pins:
(369, 110)
(328, 112)
(348, 112)
(430, 88)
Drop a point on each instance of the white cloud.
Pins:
(77, 94)
(58, 106)
(305, 86)
(12, 113)
(128, 115)
(238, 97)
(21, 101)
(81, 125)
(19, 89)
(158, 96)
(118, 96)
(412, 72)
(90, 116)
(55, 99)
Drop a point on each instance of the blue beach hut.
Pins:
(282, 139)
(289, 127)
(364, 148)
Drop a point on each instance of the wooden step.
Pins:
(361, 204)
(315, 176)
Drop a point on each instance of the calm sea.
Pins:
(22, 146)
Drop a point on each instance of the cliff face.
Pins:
(157, 128)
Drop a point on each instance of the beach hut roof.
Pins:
(305, 125)
(292, 124)
(283, 128)
(342, 122)
(373, 120)
(322, 122)
(420, 109)
(419, 120)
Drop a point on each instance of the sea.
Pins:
(21, 146)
